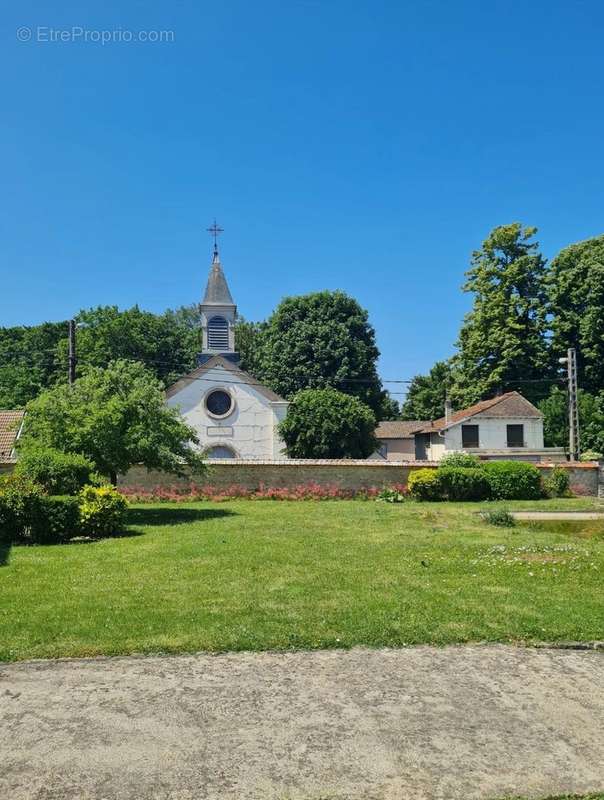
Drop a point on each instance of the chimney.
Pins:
(448, 410)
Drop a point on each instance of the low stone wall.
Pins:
(346, 474)
(583, 476)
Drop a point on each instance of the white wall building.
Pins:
(234, 415)
(504, 427)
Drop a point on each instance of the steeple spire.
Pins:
(218, 311)
(217, 290)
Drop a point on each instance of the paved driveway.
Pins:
(467, 722)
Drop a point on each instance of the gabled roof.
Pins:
(10, 425)
(217, 290)
(509, 405)
(399, 429)
(235, 375)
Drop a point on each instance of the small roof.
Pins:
(236, 375)
(399, 429)
(217, 290)
(508, 405)
(10, 425)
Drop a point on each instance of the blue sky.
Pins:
(355, 145)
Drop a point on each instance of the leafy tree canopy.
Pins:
(320, 340)
(426, 395)
(28, 361)
(166, 343)
(575, 286)
(116, 417)
(326, 423)
(502, 343)
(591, 419)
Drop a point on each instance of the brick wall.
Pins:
(345, 473)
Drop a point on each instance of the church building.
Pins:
(234, 415)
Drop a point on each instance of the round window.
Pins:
(219, 403)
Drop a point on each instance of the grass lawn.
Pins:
(251, 575)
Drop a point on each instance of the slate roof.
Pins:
(10, 424)
(399, 429)
(235, 375)
(217, 290)
(509, 405)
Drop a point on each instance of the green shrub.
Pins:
(591, 455)
(513, 480)
(390, 495)
(423, 484)
(55, 520)
(499, 517)
(463, 483)
(459, 460)
(58, 473)
(557, 483)
(102, 510)
(19, 503)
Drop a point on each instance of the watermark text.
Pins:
(46, 34)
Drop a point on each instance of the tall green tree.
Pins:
(591, 419)
(502, 342)
(576, 293)
(166, 343)
(247, 342)
(426, 395)
(28, 361)
(326, 423)
(116, 417)
(321, 340)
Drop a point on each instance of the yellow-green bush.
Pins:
(102, 510)
(424, 484)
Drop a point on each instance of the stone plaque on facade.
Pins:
(219, 430)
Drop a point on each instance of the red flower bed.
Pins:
(304, 491)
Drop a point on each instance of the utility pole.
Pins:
(574, 440)
(72, 351)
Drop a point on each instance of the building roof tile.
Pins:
(10, 424)
(508, 405)
(399, 429)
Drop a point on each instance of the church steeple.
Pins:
(217, 289)
(218, 312)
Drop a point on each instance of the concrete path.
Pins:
(467, 722)
(546, 515)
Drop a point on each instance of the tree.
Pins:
(318, 340)
(502, 343)
(591, 419)
(247, 341)
(116, 417)
(326, 423)
(166, 343)
(28, 361)
(576, 293)
(426, 395)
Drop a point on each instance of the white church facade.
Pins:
(233, 414)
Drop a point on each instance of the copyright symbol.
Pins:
(23, 34)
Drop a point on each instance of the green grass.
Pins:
(248, 575)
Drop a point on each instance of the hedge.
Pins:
(494, 480)
(513, 480)
(58, 473)
(28, 515)
(463, 483)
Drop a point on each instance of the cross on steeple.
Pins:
(214, 230)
